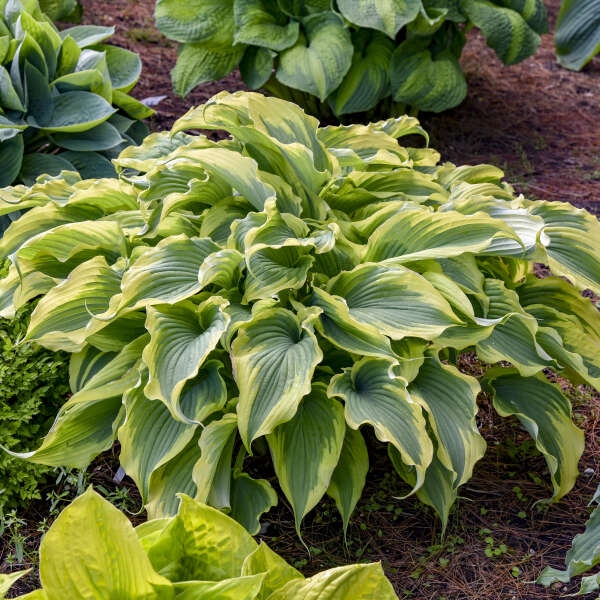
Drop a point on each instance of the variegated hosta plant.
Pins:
(346, 56)
(93, 551)
(285, 290)
(64, 102)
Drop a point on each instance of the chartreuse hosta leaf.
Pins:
(279, 292)
(64, 103)
(92, 551)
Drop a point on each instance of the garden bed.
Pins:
(540, 123)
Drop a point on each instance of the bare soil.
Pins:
(541, 124)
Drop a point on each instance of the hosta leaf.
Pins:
(167, 273)
(8, 95)
(212, 472)
(8, 580)
(388, 16)
(78, 111)
(418, 234)
(237, 588)
(278, 571)
(533, 11)
(250, 499)
(348, 479)
(199, 63)
(37, 164)
(374, 395)
(314, 436)
(396, 301)
(504, 29)
(450, 399)
(431, 83)
(181, 338)
(87, 35)
(274, 357)
(320, 59)
(101, 137)
(577, 34)
(546, 414)
(256, 66)
(124, 66)
(90, 165)
(354, 582)
(196, 21)
(92, 551)
(11, 156)
(367, 80)
(149, 437)
(202, 544)
(64, 317)
(259, 23)
(132, 107)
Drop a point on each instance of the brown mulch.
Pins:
(541, 124)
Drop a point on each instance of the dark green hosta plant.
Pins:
(345, 56)
(62, 10)
(63, 97)
(577, 33)
(283, 290)
(93, 551)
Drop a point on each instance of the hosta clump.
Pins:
(345, 56)
(93, 551)
(63, 97)
(288, 288)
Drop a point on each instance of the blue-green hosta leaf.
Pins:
(577, 34)
(256, 66)
(430, 83)
(274, 358)
(101, 137)
(419, 234)
(278, 571)
(583, 555)
(570, 239)
(11, 157)
(167, 273)
(202, 544)
(212, 472)
(397, 302)
(9, 98)
(348, 479)
(87, 35)
(314, 436)
(36, 164)
(260, 23)
(149, 437)
(63, 319)
(354, 582)
(546, 414)
(199, 63)
(250, 499)
(236, 588)
(505, 30)
(90, 165)
(92, 551)
(336, 324)
(513, 339)
(450, 399)
(172, 479)
(195, 21)
(124, 66)
(78, 111)
(181, 338)
(438, 489)
(321, 57)
(374, 394)
(367, 81)
(86, 423)
(388, 16)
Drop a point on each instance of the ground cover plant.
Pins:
(64, 102)
(277, 290)
(33, 386)
(577, 33)
(93, 551)
(345, 56)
